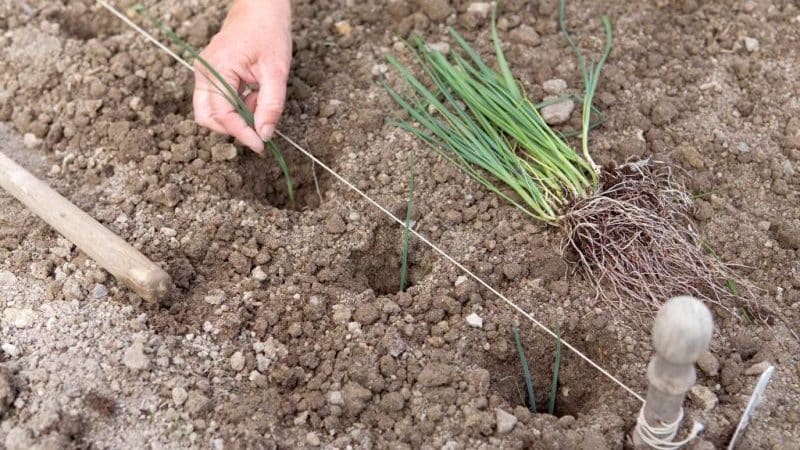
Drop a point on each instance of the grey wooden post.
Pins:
(681, 333)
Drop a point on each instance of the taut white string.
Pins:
(393, 217)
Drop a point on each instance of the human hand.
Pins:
(254, 46)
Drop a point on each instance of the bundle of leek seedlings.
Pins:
(626, 227)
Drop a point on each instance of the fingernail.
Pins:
(266, 131)
(259, 148)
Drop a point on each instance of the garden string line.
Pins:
(377, 205)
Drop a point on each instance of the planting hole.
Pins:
(579, 388)
(378, 267)
(263, 181)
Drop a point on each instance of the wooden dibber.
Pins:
(681, 333)
(110, 251)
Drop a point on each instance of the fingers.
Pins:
(213, 110)
(250, 100)
(271, 98)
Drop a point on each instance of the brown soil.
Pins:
(322, 347)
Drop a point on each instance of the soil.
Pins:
(288, 329)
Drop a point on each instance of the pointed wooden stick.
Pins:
(110, 251)
(681, 333)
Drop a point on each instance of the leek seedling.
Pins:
(226, 90)
(626, 227)
(526, 372)
(407, 225)
(551, 403)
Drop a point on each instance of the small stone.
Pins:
(791, 134)
(335, 398)
(475, 321)
(344, 28)
(197, 403)
(763, 225)
(10, 350)
(100, 291)
(556, 86)
(480, 9)
(215, 297)
(169, 195)
(330, 108)
(257, 378)
(186, 128)
(780, 187)
(259, 274)
(342, 313)
(185, 151)
(758, 368)
(135, 103)
(301, 418)
(512, 271)
(751, 44)
(41, 269)
(788, 235)
(19, 317)
(179, 395)
(395, 345)
(312, 439)
(558, 113)
(334, 224)
(505, 421)
(703, 397)
(263, 363)
(29, 140)
(742, 148)
(237, 361)
(435, 9)
(355, 398)
(134, 357)
(441, 47)
(709, 364)
(392, 402)
(663, 113)
(223, 152)
(379, 69)
(524, 35)
(367, 314)
(72, 289)
(692, 156)
(436, 374)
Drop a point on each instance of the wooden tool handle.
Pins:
(109, 250)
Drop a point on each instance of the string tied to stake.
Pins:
(662, 437)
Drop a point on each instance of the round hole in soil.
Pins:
(263, 181)
(581, 387)
(378, 267)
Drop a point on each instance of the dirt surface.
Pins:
(288, 329)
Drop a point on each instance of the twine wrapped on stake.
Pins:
(681, 333)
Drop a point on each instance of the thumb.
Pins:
(271, 98)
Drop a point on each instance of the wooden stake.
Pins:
(681, 333)
(110, 251)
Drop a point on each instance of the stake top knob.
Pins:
(682, 330)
